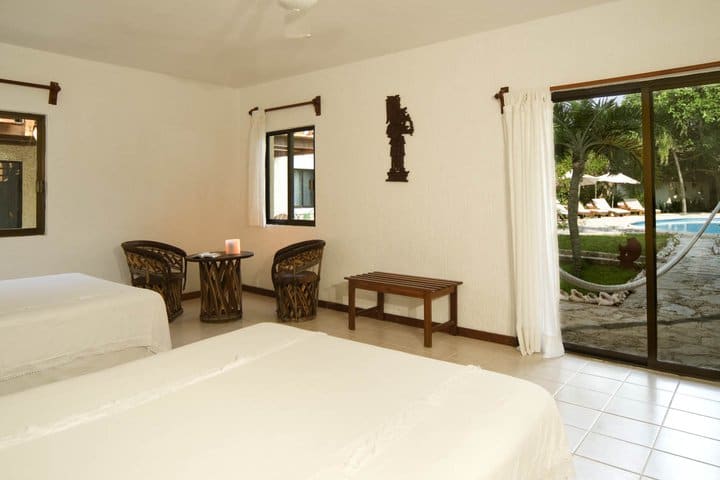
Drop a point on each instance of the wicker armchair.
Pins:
(160, 267)
(296, 276)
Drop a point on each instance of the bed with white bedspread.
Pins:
(51, 320)
(276, 402)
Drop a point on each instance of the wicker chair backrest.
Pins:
(172, 255)
(298, 257)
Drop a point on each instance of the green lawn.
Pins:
(609, 243)
(598, 273)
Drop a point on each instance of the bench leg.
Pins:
(453, 313)
(428, 321)
(351, 306)
(381, 305)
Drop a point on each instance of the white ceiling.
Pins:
(242, 42)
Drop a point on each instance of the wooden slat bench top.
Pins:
(422, 284)
(409, 285)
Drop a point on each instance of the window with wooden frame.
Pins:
(290, 177)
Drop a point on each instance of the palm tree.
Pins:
(598, 126)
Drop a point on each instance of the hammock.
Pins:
(641, 281)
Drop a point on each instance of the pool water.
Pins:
(683, 225)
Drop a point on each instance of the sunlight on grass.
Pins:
(601, 273)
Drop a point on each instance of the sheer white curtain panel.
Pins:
(530, 156)
(256, 170)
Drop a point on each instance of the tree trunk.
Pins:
(573, 200)
(683, 197)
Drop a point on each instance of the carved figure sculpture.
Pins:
(399, 123)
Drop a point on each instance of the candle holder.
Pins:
(232, 246)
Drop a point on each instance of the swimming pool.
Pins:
(683, 225)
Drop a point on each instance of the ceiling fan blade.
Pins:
(295, 25)
(296, 4)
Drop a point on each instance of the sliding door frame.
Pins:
(645, 88)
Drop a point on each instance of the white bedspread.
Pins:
(276, 402)
(50, 320)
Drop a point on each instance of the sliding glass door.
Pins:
(598, 166)
(686, 127)
(638, 169)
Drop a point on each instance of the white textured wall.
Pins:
(130, 155)
(450, 220)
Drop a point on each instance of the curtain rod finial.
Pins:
(501, 96)
(54, 90)
(316, 104)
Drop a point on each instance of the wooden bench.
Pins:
(418, 287)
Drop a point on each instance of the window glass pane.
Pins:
(601, 238)
(304, 175)
(18, 173)
(278, 177)
(687, 190)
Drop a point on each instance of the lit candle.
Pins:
(232, 245)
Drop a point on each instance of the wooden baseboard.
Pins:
(258, 291)
(389, 317)
(190, 295)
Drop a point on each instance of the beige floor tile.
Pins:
(645, 394)
(614, 452)
(577, 416)
(688, 445)
(593, 382)
(626, 429)
(550, 386)
(574, 436)
(653, 380)
(586, 469)
(607, 370)
(700, 406)
(645, 412)
(692, 423)
(545, 371)
(583, 397)
(664, 466)
(707, 390)
(570, 361)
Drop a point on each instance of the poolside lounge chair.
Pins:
(602, 204)
(561, 211)
(591, 212)
(632, 205)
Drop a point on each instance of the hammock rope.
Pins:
(579, 282)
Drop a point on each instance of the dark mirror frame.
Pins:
(39, 228)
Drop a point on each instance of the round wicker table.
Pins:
(220, 286)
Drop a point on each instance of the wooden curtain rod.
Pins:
(625, 78)
(637, 76)
(54, 88)
(315, 102)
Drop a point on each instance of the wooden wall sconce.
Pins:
(53, 87)
(398, 123)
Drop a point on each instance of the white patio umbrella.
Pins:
(586, 180)
(615, 178)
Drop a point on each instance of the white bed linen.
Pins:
(276, 402)
(51, 320)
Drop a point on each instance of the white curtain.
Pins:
(529, 151)
(256, 170)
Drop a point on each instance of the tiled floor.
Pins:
(621, 422)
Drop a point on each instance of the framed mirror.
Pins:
(22, 174)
